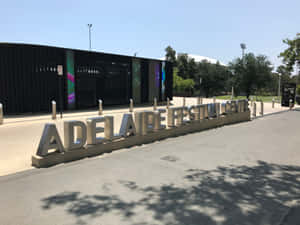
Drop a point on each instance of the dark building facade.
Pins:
(29, 79)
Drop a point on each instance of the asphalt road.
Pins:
(247, 173)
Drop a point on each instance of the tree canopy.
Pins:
(248, 75)
(291, 56)
(251, 74)
(214, 77)
(181, 85)
(171, 55)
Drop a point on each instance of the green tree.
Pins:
(188, 86)
(291, 56)
(182, 86)
(285, 74)
(177, 80)
(171, 55)
(272, 85)
(192, 68)
(183, 65)
(187, 67)
(215, 78)
(251, 74)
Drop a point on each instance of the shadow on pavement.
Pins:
(261, 194)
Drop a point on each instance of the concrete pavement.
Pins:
(20, 135)
(246, 173)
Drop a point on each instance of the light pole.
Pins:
(200, 82)
(90, 39)
(279, 85)
(243, 47)
(297, 75)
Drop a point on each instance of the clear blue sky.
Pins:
(210, 28)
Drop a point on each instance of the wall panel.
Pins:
(29, 80)
(136, 80)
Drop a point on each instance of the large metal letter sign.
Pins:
(158, 119)
(109, 128)
(127, 127)
(70, 141)
(50, 140)
(175, 114)
(148, 122)
(147, 126)
(93, 130)
(194, 113)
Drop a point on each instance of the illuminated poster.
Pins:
(157, 79)
(136, 80)
(154, 81)
(70, 79)
(163, 80)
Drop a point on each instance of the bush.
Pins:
(182, 86)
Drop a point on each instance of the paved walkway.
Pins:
(20, 136)
(245, 174)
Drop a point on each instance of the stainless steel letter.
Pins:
(72, 142)
(50, 140)
(127, 126)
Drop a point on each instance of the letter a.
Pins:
(50, 140)
(127, 127)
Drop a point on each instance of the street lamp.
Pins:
(243, 47)
(279, 79)
(200, 82)
(90, 26)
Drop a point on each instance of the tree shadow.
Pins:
(242, 195)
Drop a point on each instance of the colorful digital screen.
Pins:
(163, 80)
(157, 76)
(70, 79)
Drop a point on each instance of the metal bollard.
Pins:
(214, 99)
(238, 106)
(242, 105)
(1, 113)
(223, 108)
(227, 107)
(201, 112)
(261, 108)
(168, 103)
(233, 106)
(254, 110)
(273, 102)
(206, 116)
(291, 104)
(246, 109)
(53, 110)
(198, 101)
(251, 99)
(100, 107)
(217, 105)
(201, 101)
(183, 103)
(155, 104)
(131, 105)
